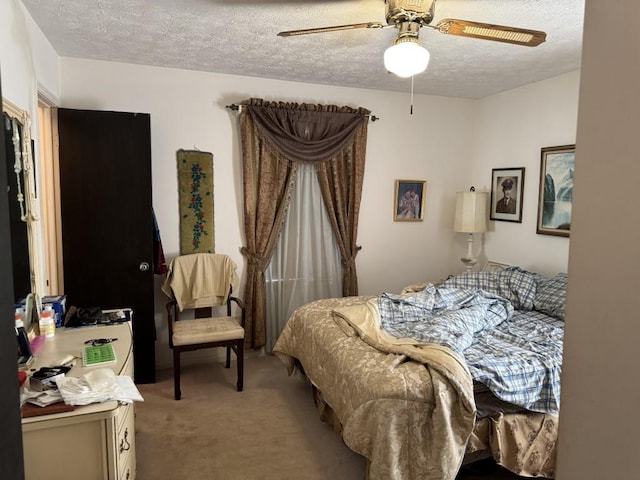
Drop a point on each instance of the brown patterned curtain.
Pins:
(275, 136)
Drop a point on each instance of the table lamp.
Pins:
(471, 217)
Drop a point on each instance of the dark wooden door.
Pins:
(107, 222)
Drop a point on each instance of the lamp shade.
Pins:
(471, 212)
(406, 58)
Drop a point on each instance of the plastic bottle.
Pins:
(47, 322)
(19, 316)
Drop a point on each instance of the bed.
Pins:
(419, 403)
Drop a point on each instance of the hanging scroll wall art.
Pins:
(195, 183)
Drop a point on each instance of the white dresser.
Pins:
(94, 441)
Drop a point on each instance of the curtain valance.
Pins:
(305, 132)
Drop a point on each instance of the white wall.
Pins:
(600, 384)
(27, 59)
(512, 127)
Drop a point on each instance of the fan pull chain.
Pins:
(411, 109)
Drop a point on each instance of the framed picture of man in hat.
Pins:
(507, 188)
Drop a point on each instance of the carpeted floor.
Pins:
(270, 431)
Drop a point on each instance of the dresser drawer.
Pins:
(124, 411)
(128, 473)
(125, 444)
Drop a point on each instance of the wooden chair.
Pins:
(206, 329)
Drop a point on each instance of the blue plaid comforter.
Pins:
(447, 316)
(517, 354)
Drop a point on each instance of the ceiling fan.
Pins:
(407, 57)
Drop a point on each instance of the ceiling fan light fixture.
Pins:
(406, 57)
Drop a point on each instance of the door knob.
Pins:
(144, 267)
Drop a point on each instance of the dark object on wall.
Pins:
(159, 262)
(107, 219)
(18, 227)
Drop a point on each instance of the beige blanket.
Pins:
(408, 409)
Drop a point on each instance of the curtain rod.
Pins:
(235, 107)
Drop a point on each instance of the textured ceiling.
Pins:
(239, 37)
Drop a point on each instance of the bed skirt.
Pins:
(523, 443)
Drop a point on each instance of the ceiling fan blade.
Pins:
(488, 31)
(335, 28)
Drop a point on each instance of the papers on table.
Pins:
(41, 399)
(99, 385)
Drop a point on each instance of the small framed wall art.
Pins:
(409, 200)
(555, 195)
(507, 193)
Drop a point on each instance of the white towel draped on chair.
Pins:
(200, 279)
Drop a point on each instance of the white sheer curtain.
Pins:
(306, 263)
